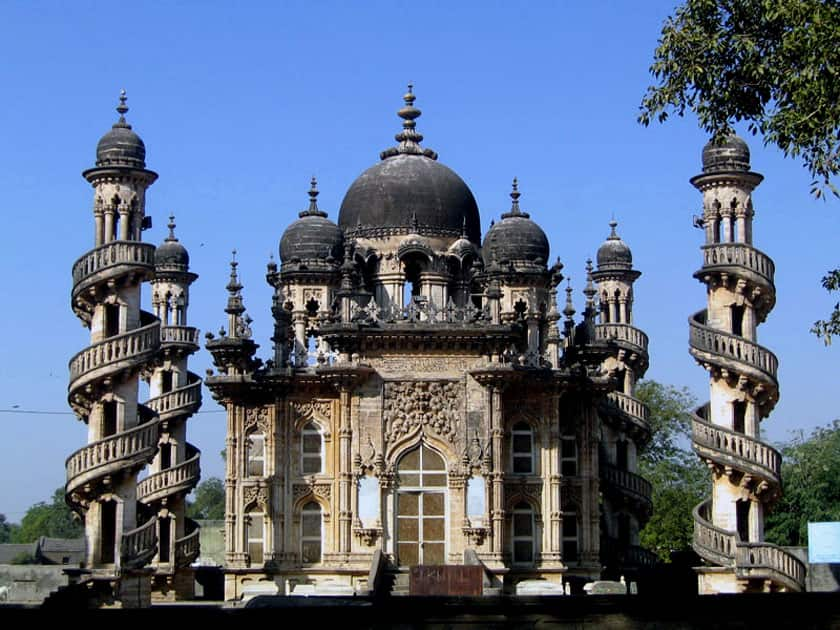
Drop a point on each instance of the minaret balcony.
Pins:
(178, 479)
(183, 401)
(185, 337)
(112, 455)
(632, 486)
(731, 352)
(128, 351)
(624, 334)
(139, 545)
(724, 257)
(109, 262)
(727, 448)
(187, 548)
(751, 560)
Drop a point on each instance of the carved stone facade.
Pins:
(424, 398)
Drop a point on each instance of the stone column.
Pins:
(497, 513)
(301, 348)
(345, 434)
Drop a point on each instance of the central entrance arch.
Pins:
(421, 508)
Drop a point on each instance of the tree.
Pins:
(774, 64)
(209, 501)
(54, 520)
(810, 470)
(7, 530)
(679, 479)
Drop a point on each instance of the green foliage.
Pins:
(54, 520)
(209, 501)
(679, 479)
(772, 63)
(7, 530)
(810, 472)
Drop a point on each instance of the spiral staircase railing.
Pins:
(745, 459)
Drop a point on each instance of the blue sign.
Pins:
(824, 543)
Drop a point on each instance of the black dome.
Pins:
(407, 193)
(614, 253)
(732, 155)
(171, 255)
(516, 238)
(313, 236)
(121, 146)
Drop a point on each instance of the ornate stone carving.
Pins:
(475, 535)
(424, 406)
(523, 488)
(309, 408)
(256, 495)
(321, 489)
(424, 364)
(257, 417)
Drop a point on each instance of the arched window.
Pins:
(311, 450)
(522, 443)
(568, 456)
(523, 534)
(256, 455)
(310, 533)
(570, 537)
(255, 535)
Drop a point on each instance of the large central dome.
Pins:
(409, 191)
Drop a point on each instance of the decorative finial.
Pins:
(464, 228)
(313, 209)
(235, 306)
(589, 291)
(613, 235)
(409, 139)
(414, 225)
(122, 108)
(514, 206)
(569, 310)
(171, 226)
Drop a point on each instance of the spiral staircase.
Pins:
(96, 468)
(735, 454)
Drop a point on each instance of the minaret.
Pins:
(729, 528)
(175, 395)
(627, 501)
(103, 390)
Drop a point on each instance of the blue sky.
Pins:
(239, 105)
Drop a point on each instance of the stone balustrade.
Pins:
(739, 446)
(622, 333)
(128, 346)
(181, 400)
(732, 347)
(111, 255)
(631, 406)
(139, 545)
(420, 312)
(627, 481)
(139, 442)
(187, 548)
(184, 475)
(712, 543)
(741, 255)
(179, 334)
(755, 557)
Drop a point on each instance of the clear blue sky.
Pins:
(239, 105)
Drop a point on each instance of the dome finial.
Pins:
(515, 211)
(409, 139)
(613, 234)
(171, 226)
(122, 108)
(569, 310)
(313, 210)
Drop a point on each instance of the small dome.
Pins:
(313, 236)
(614, 253)
(516, 237)
(121, 146)
(409, 186)
(171, 255)
(732, 155)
